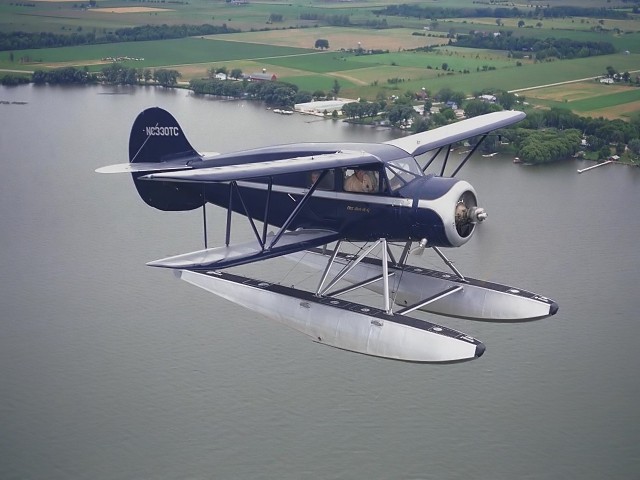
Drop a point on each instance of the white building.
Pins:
(319, 108)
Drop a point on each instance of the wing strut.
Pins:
(446, 158)
(266, 211)
(299, 206)
(346, 269)
(320, 292)
(475, 147)
(433, 298)
(262, 238)
(227, 237)
(424, 169)
(204, 222)
(449, 264)
(249, 217)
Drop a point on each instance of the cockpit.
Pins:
(369, 178)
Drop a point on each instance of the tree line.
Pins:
(114, 74)
(562, 48)
(415, 10)
(276, 94)
(28, 40)
(543, 136)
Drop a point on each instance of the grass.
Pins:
(392, 39)
(155, 53)
(317, 62)
(610, 100)
(289, 52)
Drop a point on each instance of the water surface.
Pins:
(113, 370)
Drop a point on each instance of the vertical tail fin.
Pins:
(157, 138)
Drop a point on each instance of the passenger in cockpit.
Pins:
(361, 181)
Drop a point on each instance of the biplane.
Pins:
(304, 201)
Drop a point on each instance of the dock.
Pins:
(580, 170)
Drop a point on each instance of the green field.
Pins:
(317, 62)
(606, 101)
(286, 48)
(155, 53)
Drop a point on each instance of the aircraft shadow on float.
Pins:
(321, 194)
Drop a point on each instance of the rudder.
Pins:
(156, 137)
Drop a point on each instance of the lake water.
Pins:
(113, 370)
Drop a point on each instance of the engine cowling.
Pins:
(446, 212)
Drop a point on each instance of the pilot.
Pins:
(361, 181)
(327, 181)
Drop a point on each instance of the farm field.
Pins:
(392, 39)
(279, 37)
(591, 99)
(155, 53)
(569, 23)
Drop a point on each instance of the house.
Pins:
(262, 77)
(422, 95)
(488, 98)
(221, 76)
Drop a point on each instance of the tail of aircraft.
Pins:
(157, 144)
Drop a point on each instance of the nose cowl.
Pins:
(447, 212)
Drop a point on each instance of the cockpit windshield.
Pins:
(402, 171)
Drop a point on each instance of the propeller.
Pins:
(468, 214)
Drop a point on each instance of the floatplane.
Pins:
(318, 197)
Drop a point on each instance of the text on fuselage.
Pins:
(163, 131)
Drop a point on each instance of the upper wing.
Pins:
(245, 171)
(439, 137)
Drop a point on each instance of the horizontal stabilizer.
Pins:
(146, 167)
(440, 137)
(226, 173)
(240, 254)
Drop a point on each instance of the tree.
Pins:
(520, 23)
(604, 152)
(399, 114)
(302, 97)
(448, 113)
(634, 146)
(473, 108)
(166, 78)
(336, 87)
(542, 146)
(236, 73)
(421, 125)
(322, 43)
